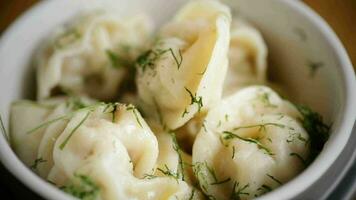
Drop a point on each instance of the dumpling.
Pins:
(251, 143)
(171, 156)
(93, 56)
(104, 148)
(247, 58)
(184, 71)
(28, 130)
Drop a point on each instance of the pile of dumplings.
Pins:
(183, 113)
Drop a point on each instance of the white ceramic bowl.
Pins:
(295, 36)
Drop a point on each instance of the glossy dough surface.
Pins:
(91, 55)
(184, 114)
(250, 149)
(188, 76)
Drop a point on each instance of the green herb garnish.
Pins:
(318, 131)
(226, 135)
(82, 187)
(135, 112)
(3, 130)
(63, 144)
(177, 149)
(194, 99)
(36, 162)
(238, 191)
(314, 66)
(273, 178)
(116, 60)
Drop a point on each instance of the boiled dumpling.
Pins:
(251, 143)
(171, 156)
(184, 71)
(247, 58)
(104, 148)
(93, 56)
(27, 116)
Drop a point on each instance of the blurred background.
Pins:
(340, 14)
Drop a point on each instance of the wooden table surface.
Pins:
(340, 14)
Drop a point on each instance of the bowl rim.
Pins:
(289, 190)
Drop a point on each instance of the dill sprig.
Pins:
(82, 187)
(169, 173)
(227, 135)
(3, 130)
(47, 123)
(63, 144)
(177, 149)
(233, 152)
(117, 61)
(299, 157)
(192, 194)
(238, 191)
(37, 162)
(262, 127)
(149, 176)
(264, 98)
(148, 58)
(135, 112)
(274, 179)
(314, 66)
(185, 112)
(318, 131)
(194, 99)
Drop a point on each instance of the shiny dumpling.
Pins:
(171, 156)
(184, 71)
(250, 144)
(247, 58)
(108, 154)
(92, 56)
(28, 127)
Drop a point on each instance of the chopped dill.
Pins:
(37, 162)
(226, 135)
(299, 157)
(3, 130)
(134, 111)
(63, 144)
(238, 191)
(116, 60)
(264, 189)
(177, 149)
(204, 126)
(262, 127)
(178, 62)
(194, 99)
(233, 152)
(148, 58)
(168, 172)
(185, 112)
(264, 98)
(314, 67)
(82, 187)
(273, 178)
(318, 131)
(47, 123)
(192, 194)
(149, 176)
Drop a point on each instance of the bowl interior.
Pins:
(301, 58)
